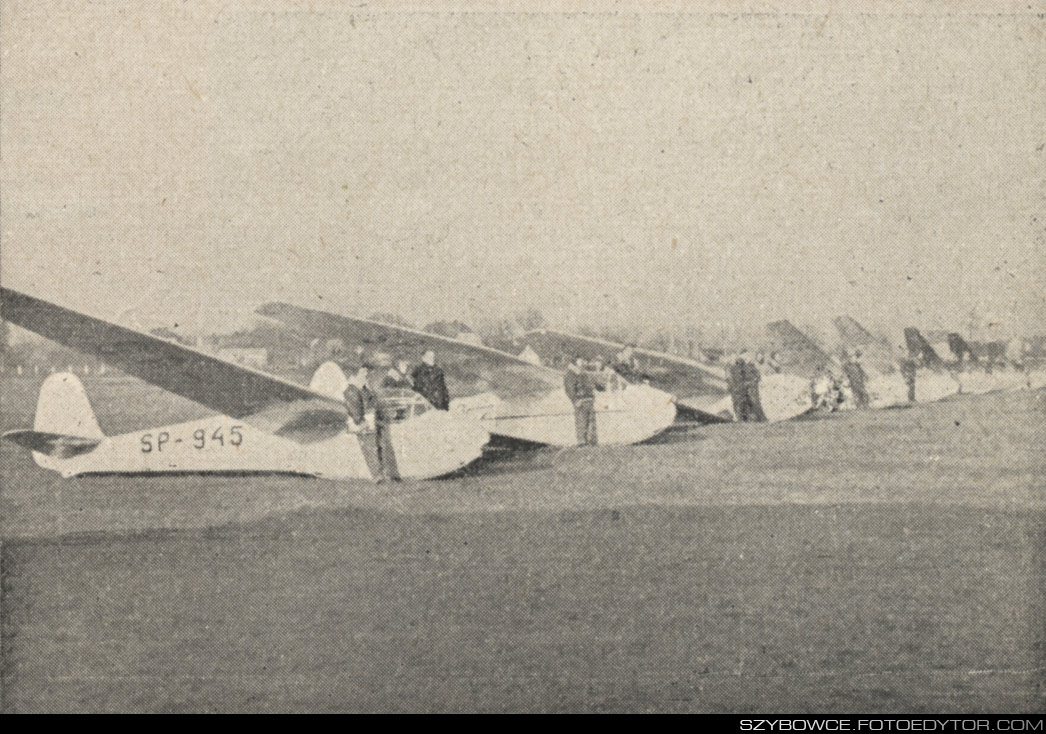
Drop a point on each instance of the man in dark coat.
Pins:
(581, 391)
(738, 393)
(431, 383)
(908, 369)
(857, 377)
(360, 402)
(754, 404)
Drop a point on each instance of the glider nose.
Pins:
(464, 437)
(471, 431)
(662, 406)
(646, 411)
(438, 442)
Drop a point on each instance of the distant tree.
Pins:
(391, 318)
(531, 319)
(662, 340)
(448, 328)
(499, 333)
(615, 334)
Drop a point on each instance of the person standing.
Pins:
(359, 401)
(431, 383)
(362, 409)
(580, 390)
(736, 385)
(386, 454)
(908, 369)
(858, 379)
(754, 405)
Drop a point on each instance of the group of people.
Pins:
(427, 379)
(581, 382)
(829, 388)
(368, 416)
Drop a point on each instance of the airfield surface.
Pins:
(885, 561)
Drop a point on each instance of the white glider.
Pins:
(265, 424)
(509, 395)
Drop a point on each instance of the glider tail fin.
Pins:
(852, 333)
(798, 353)
(919, 348)
(63, 409)
(960, 348)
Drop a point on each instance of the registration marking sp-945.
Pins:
(199, 439)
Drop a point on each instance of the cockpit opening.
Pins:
(398, 405)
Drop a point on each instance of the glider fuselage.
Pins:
(428, 445)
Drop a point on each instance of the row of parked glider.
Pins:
(267, 423)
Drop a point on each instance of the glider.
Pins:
(264, 423)
(510, 396)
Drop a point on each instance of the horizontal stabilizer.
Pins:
(56, 445)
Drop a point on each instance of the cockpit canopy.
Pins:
(607, 379)
(399, 404)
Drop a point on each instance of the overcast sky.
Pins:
(171, 165)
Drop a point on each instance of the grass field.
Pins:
(877, 562)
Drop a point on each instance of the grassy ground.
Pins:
(888, 561)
